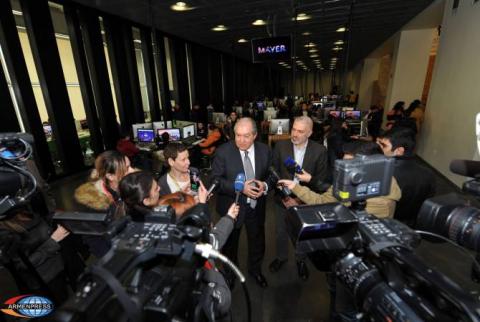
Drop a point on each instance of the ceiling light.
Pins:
(313, 56)
(341, 29)
(17, 13)
(313, 50)
(301, 16)
(337, 48)
(259, 22)
(310, 45)
(181, 6)
(242, 40)
(219, 28)
(339, 42)
(306, 33)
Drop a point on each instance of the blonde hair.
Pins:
(109, 162)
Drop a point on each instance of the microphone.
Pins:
(239, 184)
(213, 186)
(285, 191)
(194, 179)
(466, 168)
(292, 165)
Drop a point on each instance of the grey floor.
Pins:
(288, 299)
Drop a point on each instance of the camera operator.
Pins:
(381, 207)
(31, 250)
(416, 182)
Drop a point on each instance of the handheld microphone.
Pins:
(239, 184)
(292, 165)
(194, 179)
(466, 168)
(213, 186)
(285, 191)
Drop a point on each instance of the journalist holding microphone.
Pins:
(252, 159)
(305, 162)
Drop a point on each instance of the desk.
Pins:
(277, 137)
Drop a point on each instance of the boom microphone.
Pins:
(285, 191)
(466, 168)
(239, 184)
(293, 166)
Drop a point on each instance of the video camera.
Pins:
(17, 184)
(151, 273)
(374, 258)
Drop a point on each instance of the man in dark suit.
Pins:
(244, 155)
(313, 159)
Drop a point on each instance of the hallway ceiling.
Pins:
(373, 21)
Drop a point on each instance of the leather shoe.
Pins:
(259, 279)
(302, 270)
(276, 264)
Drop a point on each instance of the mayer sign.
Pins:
(271, 49)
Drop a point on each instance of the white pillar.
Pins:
(371, 68)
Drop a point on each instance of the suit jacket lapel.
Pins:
(307, 159)
(257, 160)
(237, 157)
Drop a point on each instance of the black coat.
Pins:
(315, 162)
(417, 184)
(227, 164)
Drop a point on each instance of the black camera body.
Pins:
(374, 258)
(151, 273)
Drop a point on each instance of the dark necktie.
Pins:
(249, 174)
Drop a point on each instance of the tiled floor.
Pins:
(288, 298)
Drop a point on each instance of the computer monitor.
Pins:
(219, 118)
(317, 105)
(330, 104)
(260, 105)
(270, 108)
(145, 135)
(268, 115)
(335, 114)
(348, 108)
(137, 126)
(353, 115)
(174, 133)
(47, 129)
(275, 124)
(188, 131)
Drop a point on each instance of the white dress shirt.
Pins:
(299, 155)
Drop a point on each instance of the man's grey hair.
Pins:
(304, 119)
(243, 120)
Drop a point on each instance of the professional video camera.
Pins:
(374, 258)
(17, 184)
(153, 272)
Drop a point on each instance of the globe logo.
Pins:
(35, 306)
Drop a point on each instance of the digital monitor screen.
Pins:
(279, 126)
(219, 118)
(188, 131)
(145, 135)
(47, 129)
(174, 133)
(353, 115)
(271, 49)
(335, 114)
(260, 105)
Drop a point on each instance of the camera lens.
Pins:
(464, 227)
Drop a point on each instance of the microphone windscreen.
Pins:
(289, 162)
(239, 182)
(466, 168)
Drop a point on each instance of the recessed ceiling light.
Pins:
(301, 16)
(337, 48)
(313, 56)
(313, 50)
(338, 42)
(306, 33)
(310, 45)
(219, 28)
(17, 13)
(341, 29)
(259, 22)
(242, 40)
(181, 6)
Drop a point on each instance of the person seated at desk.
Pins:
(201, 131)
(209, 144)
(162, 140)
(381, 207)
(127, 147)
